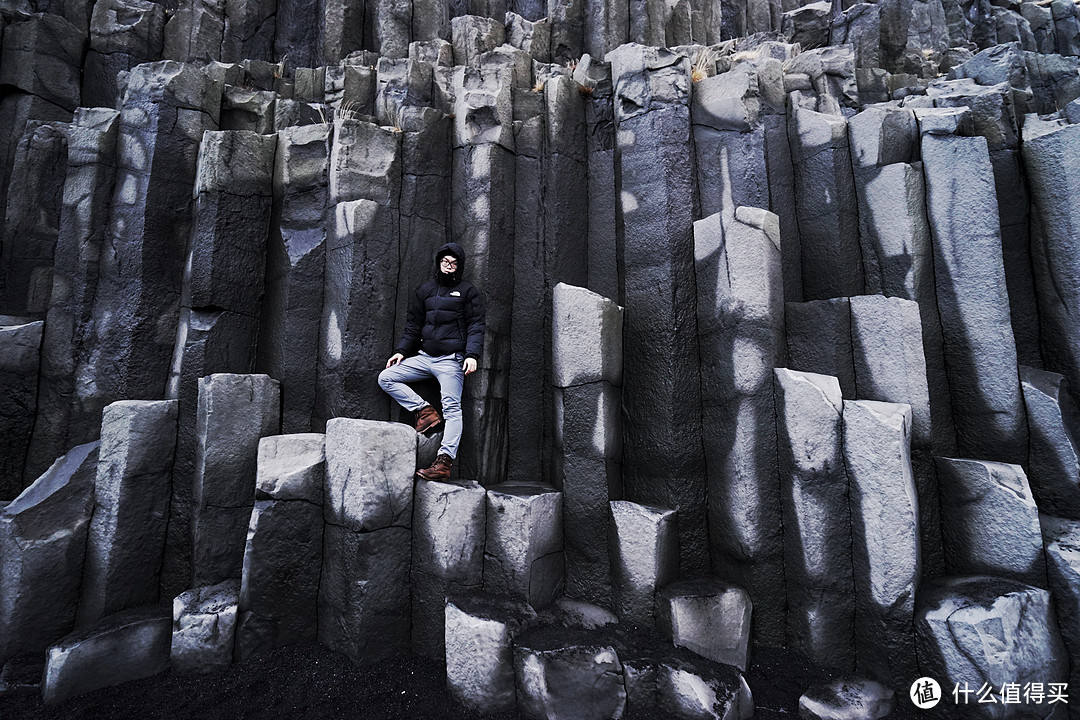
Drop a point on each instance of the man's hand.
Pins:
(394, 359)
(469, 366)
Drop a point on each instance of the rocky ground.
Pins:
(314, 682)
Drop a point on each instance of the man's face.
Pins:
(448, 264)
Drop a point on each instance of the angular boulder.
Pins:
(204, 627)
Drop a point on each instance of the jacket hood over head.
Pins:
(451, 248)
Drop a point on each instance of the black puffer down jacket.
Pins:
(446, 314)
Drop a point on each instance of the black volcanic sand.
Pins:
(314, 682)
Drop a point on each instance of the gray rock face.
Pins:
(32, 220)
(1054, 461)
(992, 527)
(20, 344)
(234, 412)
(131, 508)
(364, 592)
(523, 552)
(980, 354)
(123, 647)
(42, 545)
(449, 528)
(709, 616)
(644, 546)
(568, 673)
(1051, 175)
(283, 556)
(295, 267)
(1062, 541)
(826, 205)
(204, 627)
(884, 536)
(479, 652)
(983, 630)
(665, 679)
(123, 34)
(660, 374)
(814, 495)
(62, 420)
(587, 368)
(42, 54)
(855, 698)
(741, 331)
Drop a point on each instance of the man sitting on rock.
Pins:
(443, 339)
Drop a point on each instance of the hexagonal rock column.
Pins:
(977, 630)
(523, 553)
(234, 412)
(84, 218)
(449, 527)
(667, 681)
(826, 205)
(741, 330)
(363, 605)
(1054, 424)
(1047, 152)
(295, 267)
(482, 221)
(131, 508)
(664, 460)
(884, 536)
(1062, 542)
(129, 645)
(20, 354)
(42, 545)
(167, 107)
(980, 354)
(565, 673)
(204, 627)
(814, 493)
(480, 629)
(587, 373)
(279, 586)
(992, 527)
(123, 34)
(32, 221)
(42, 54)
(709, 616)
(644, 547)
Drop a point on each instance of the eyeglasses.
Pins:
(449, 261)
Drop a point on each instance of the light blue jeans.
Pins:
(448, 371)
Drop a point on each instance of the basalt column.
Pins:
(62, 421)
(361, 271)
(167, 108)
(483, 223)
(222, 292)
(980, 353)
(664, 463)
(295, 265)
(740, 319)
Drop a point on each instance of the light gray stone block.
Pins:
(1061, 538)
(204, 627)
(1054, 424)
(644, 547)
(814, 495)
(127, 646)
(131, 508)
(992, 527)
(568, 673)
(42, 546)
(857, 697)
(523, 553)
(884, 536)
(369, 474)
(709, 616)
(479, 652)
(587, 337)
(449, 528)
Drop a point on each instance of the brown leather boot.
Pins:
(439, 470)
(427, 418)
